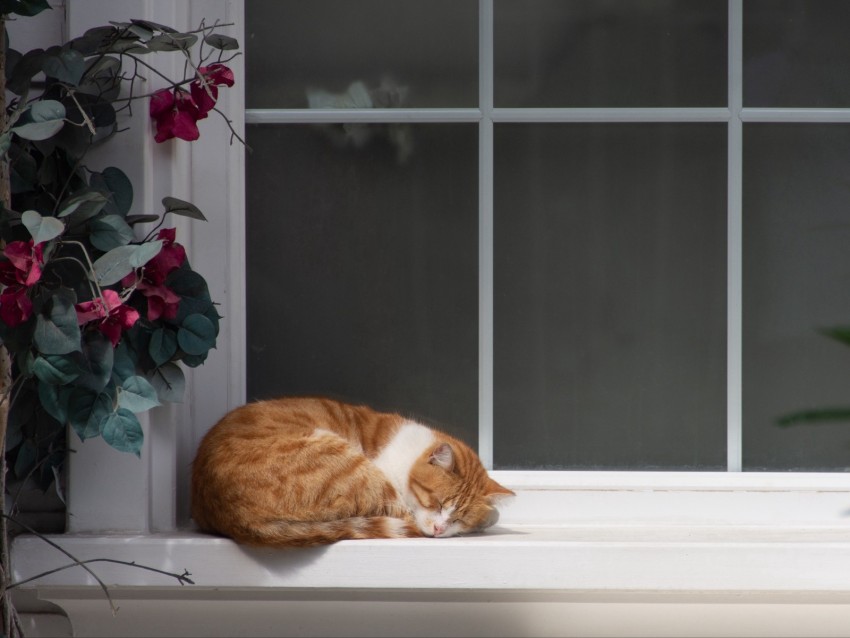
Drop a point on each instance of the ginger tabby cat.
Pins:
(297, 472)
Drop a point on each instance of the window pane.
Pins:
(796, 53)
(369, 53)
(796, 271)
(610, 296)
(586, 53)
(362, 267)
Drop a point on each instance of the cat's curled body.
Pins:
(296, 472)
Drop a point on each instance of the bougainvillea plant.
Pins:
(99, 308)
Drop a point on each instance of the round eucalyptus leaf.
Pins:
(113, 181)
(110, 231)
(87, 411)
(57, 332)
(42, 120)
(196, 335)
(163, 345)
(54, 369)
(122, 430)
(54, 400)
(67, 65)
(221, 42)
(41, 228)
(137, 395)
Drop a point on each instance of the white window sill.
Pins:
(720, 559)
(614, 554)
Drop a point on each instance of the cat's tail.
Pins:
(283, 533)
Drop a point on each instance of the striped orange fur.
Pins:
(296, 472)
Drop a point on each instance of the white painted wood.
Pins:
(485, 233)
(529, 558)
(153, 493)
(469, 614)
(735, 244)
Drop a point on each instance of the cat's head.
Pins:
(453, 493)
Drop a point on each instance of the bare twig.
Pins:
(183, 578)
(103, 586)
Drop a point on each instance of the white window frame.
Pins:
(721, 533)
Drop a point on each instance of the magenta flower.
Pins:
(162, 301)
(176, 111)
(113, 317)
(15, 306)
(18, 273)
(175, 114)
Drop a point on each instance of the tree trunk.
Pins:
(9, 617)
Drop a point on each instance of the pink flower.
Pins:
(175, 114)
(24, 265)
(113, 316)
(20, 271)
(162, 301)
(15, 306)
(176, 111)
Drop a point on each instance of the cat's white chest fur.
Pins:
(400, 453)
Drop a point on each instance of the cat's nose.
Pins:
(439, 528)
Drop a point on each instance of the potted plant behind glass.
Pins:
(99, 308)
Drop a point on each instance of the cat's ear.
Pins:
(496, 492)
(443, 456)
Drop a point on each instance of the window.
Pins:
(581, 235)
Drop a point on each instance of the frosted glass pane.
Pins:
(380, 53)
(362, 267)
(586, 53)
(796, 271)
(796, 53)
(610, 296)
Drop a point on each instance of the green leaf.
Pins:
(180, 207)
(196, 335)
(222, 42)
(110, 231)
(66, 66)
(145, 252)
(52, 369)
(54, 400)
(137, 395)
(42, 228)
(114, 181)
(163, 345)
(141, 219)
(57, 331)
(93, 202)
(123, 365)
(172, 42)
(41, 121)
(122, 430)
(169, 382)
(98, 361)
(87, 411)
(23, 7)
(115, 265)
(27, 457)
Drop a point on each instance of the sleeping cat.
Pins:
(297, 472)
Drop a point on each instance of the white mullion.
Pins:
(378, 116)
(556, 115)
(734, 275)
(793, 115)
(485, 233)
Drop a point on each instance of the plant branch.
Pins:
(103, 586)
(183, 578)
